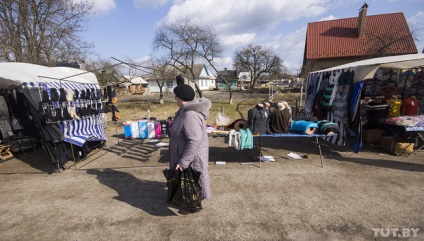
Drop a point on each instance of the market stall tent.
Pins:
(32, 93)
(14, 74)
(366, 69)
(360, 71)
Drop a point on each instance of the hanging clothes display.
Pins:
(341, 101)
(311, 90)
(67, 116)
(87, 124)
(258, 120)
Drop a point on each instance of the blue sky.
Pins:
(125, 29)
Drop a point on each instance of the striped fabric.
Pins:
(87, 128)
(84, 129)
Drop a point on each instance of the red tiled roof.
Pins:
(339, 38)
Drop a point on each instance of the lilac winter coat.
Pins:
(189, 142)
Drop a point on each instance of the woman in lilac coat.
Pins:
(189, 142)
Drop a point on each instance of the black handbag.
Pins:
(184, 189)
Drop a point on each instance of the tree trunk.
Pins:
(231, 95)
(198, 90)
(160, 95)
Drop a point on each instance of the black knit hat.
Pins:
(184, 92)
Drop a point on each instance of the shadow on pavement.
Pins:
(146, 195)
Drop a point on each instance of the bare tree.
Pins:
(162, 74)
(42, 31)
(105, 71)
(383, 44)
(185, 43)
(257, 60)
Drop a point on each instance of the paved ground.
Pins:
(118, 193)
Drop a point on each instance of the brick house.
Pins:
(336, 42)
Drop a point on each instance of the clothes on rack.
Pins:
(410, 106)
(234, 139)
(280, 120)
(258, 119)
(394, 104)
(246, 139)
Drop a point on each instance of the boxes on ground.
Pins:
(131, 130)
(390, 144)
(372, 136)
(142, 126)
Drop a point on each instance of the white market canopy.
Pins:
(13, 75)
(366, 69)
(136, 80)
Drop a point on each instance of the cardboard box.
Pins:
(403, 147)
(372, 136)
(389, 143)
(131, 130)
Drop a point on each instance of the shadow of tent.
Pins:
(149, 196)
(35, 159)
(133, 149)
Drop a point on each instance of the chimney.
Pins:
(362, 20)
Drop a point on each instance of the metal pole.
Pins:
(301, 94)
(72, 146)
(319, 147)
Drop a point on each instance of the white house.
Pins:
(244, 79)
(135, 84)
(204, 79)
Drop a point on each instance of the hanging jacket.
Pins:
(258, 120)
(246, 139)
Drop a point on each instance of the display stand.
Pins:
(399, 130)
(293, 135)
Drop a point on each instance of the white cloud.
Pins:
(331, 17)
(100, 6)
(222, 63)
(289, 47)
(239, 16)
(417, 18)
(237, 40)
(416, 23)
(240, 22)
(149, 3)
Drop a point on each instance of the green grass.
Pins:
(138, 109)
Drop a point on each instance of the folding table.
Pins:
(292, 135)
(410, 125)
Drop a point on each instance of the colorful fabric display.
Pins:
(158, 130)
(151, 129)
(410, 106)
(327, 127)
(394, 107)
(142, 126)
(326, 98)
(304, 127)
(246, 139)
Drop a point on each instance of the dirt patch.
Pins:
(118, 193)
